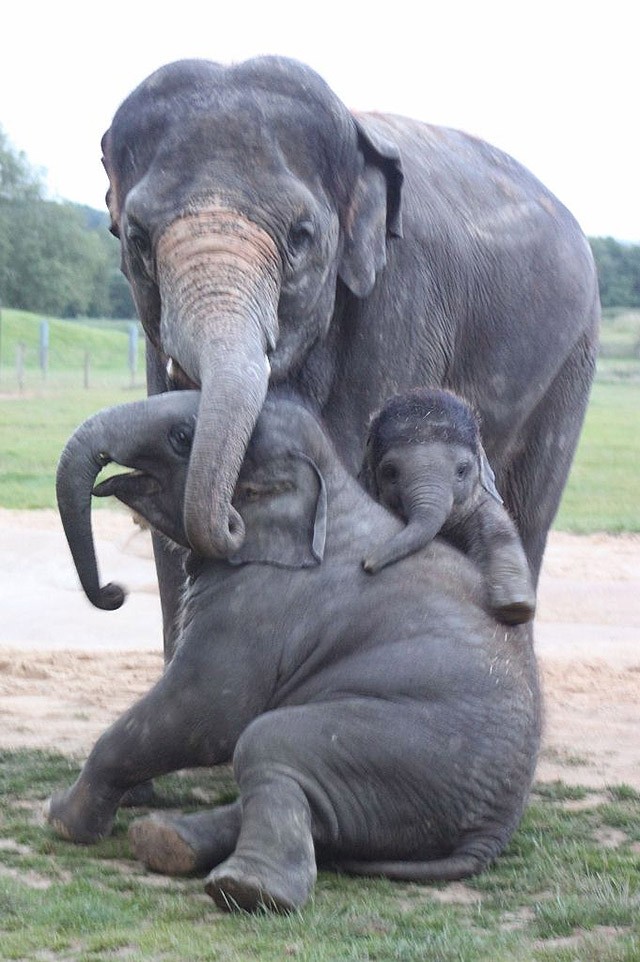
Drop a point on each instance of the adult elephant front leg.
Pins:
(169, 561)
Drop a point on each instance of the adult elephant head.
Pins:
(240, 195)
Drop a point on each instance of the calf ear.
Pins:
(286, 528)
(487, 477)
(373, 212)
(112, 199)
(366, 475)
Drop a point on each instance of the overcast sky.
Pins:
(553, 82)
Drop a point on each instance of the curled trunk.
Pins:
(219, 282)
(84, 456)
(427, 507)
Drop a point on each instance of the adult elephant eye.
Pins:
(300, 238)
(139, 241)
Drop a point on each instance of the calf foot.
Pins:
(186, 844)
(512, 604)
(249, 885)
(515, 613)
(82, 814)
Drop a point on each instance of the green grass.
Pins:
(36, 422)
(556, 885)
(602, 491)
(601, 494)
(33, 432)
(105, 341)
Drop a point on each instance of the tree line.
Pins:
(58, 258)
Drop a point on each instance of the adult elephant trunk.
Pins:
(219, 277)
(426, 503)
(103, 438)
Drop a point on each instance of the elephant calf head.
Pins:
(424, 460)
(280, 494)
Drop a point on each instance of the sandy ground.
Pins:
(67, 670)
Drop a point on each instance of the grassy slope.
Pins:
(601, 494)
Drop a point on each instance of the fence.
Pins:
(39, 354)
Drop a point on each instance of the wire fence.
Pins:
(42, 355)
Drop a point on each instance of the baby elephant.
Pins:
(424, 460)
(379, 725)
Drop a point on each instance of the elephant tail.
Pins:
(449, 869)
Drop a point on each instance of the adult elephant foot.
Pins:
(82, 814)
(186, 844)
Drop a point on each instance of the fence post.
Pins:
(21, 351)
(133, 351)
(87, 362)
(44, 348)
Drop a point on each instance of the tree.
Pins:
(618, 272)
(55, 258)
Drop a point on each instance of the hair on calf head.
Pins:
(422, 415)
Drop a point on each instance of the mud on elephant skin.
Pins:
(379, 725)
(270, 235)
(425, 461)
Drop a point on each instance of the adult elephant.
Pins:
(269, 233)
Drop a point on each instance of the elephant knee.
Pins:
(263, 744)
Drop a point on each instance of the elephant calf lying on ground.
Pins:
(383, 725)
(425, 461)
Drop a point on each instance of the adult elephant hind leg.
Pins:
(186, 844)
(536, 478)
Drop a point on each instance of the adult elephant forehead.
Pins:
(216, 108)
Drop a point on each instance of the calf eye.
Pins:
(389, 473)
(181, 439)
(462, 470)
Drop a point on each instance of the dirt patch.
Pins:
(68, 670)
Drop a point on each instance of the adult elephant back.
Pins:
(269, 233)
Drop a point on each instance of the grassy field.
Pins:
(35, 423)
(568, 888)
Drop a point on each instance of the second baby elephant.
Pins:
(425, 461)
(377, 725)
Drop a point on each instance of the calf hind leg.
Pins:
(186, 844)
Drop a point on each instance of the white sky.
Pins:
(556, 83)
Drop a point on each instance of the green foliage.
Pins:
(55, 257)
(556, 893)
(618, 272)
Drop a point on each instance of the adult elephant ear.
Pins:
(111, 197)
(374, 211)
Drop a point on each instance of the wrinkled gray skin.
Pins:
(379, 725)
(425, 461)
(264, 227)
